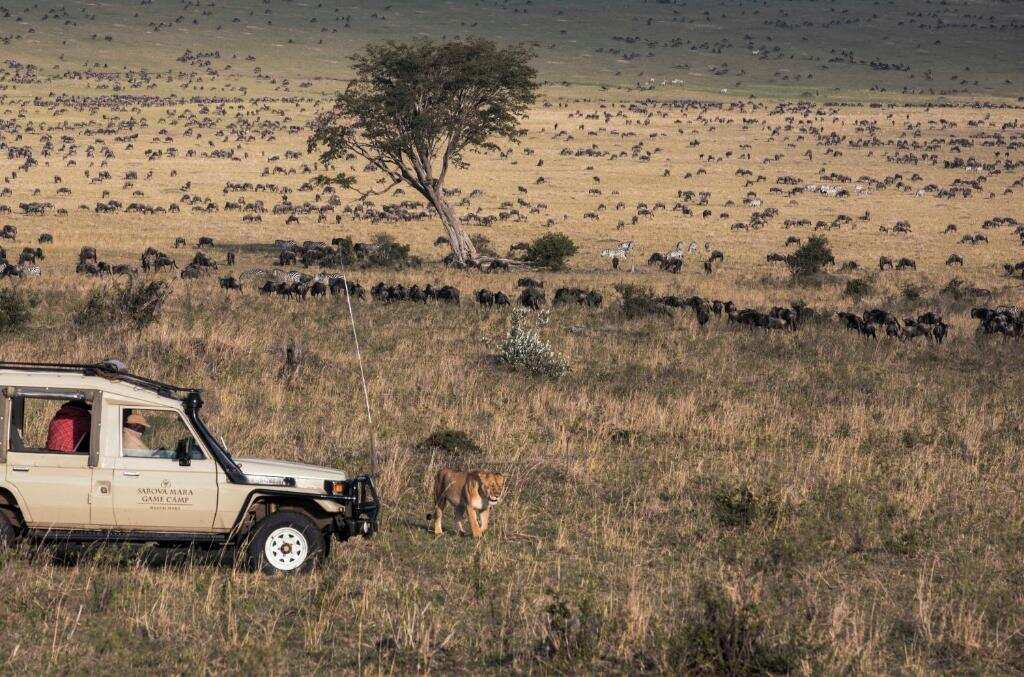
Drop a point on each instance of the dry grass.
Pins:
(683, 500)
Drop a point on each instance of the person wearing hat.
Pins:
(135, 426)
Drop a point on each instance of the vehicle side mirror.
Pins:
(183, 451)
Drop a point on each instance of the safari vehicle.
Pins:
(133, 461)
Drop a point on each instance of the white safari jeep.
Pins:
(93, 453)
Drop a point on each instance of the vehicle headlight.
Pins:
(334, 487)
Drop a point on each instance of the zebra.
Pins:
(618, 253)
(678, 251)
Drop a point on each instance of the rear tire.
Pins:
(286, 542)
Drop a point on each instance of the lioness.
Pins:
(468, 492)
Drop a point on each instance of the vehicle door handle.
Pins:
(130, 474)
(19, 468)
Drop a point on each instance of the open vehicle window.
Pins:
(156, 433)
(50, 424)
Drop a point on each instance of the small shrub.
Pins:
(483, 245)
(16, 308)
(810, 258)
(738, 507)
(723, 637)
(551, 250)
(858, 288)
(135, 303)
(524, 350)
(911, 292)
(388, 252)
(454, 442)
(571, 631)
(346, 251)
(638, 301)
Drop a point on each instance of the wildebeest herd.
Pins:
(726, 179)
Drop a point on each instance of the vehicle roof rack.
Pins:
(109, 369)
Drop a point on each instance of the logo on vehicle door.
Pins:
(164, 495)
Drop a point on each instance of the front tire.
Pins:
(286, 542)
(8, 534)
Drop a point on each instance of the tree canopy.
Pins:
(412, 112)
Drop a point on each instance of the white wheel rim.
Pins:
(286, 549)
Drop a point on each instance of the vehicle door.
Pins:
(163, 479)
(54, 485)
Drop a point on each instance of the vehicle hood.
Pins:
(306, 476)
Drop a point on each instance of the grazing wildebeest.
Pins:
(863, 326)
(30, 255)
(179, 242)
(955, 260)
(203, 261)
(905, 263)
(317, 289)
(532, 298)
(582, 297)
(884, 262)
(491, 266)
(193, 272)
(46, 238)
(205, 242)
(448, 294)
(672, 265)
(229, 283)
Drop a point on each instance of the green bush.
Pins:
(524, 350)
(450, 441)
(724, 637)
(551, 251)
(346, 251)
(16, 308)
(811, 257)
(135, 303)
(912, 292)
(571, 631)
(639, 301)
(858, 288)
(736, 506)
(483, 245)
(388, 252)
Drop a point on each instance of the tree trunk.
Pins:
(458, 238)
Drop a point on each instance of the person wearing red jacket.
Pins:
(69, 430)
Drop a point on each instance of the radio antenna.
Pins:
(362, 378)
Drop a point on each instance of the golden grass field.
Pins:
(685, 499)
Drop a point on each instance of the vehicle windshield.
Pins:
(210, 439)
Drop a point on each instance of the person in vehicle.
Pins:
(135, 426)
(68, 432)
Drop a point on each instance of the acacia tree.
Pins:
(413, 111)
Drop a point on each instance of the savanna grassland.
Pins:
(685, 499)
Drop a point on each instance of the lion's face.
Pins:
(494, 484)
